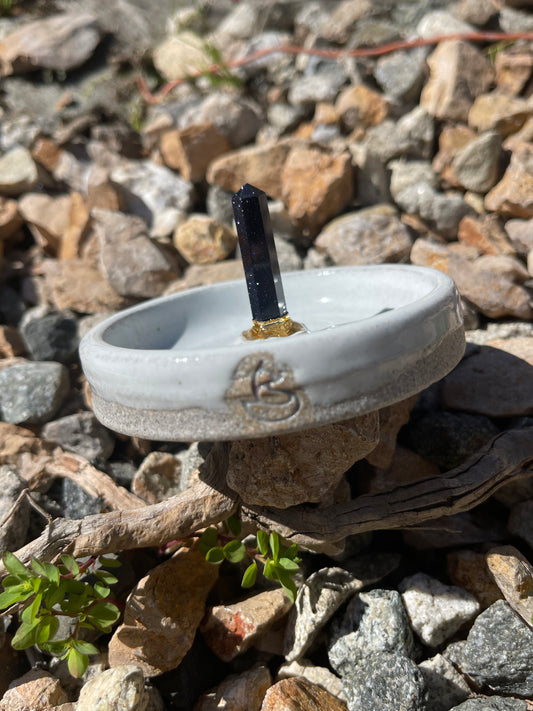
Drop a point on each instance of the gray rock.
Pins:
(514, 20)
(371, 236)
(81, 433)
(133, 264)
(387, 682)
(18, 172)
(401, 74)
(375, 621)
(509, 329)
(442, 211)
(318, 599)
(316, 260)
(448, 438)
(277, 65)
(191, 459)
(14, 531)
(521, 521)
(498, 655)
(50, 335)
(436, 610)
(75, 502)
(32, 393)
(154, 193)
(492, 703)
(313, 88)
(238, 119)
(218, 203)
(288, 257)
(416, 133)
(121, 687)
(284, 117)
(476, 165)
(521, 235)
(441, 22)
(406, 173)
(446, 687)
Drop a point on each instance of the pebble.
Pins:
(60, 42)
(445, 686)
(490, 382)
(50, 335)
(322, 85)
(10, 219)
(513, 574)
(18, 172)
(203, 240)
(492, 703)
(11, 342)
(75, 502)
(401, 75)
(119, 688)
(154, 193)
(436, 611)
(190, 150)
(511, 197)
(36, 690)
(135, 266)
(385, 681)
(374, 235)
(81, 433)
(375, 621)
(158, 477)
(520, 233)
(238, 692)
(237, 118)
(162, 614)
(321, 676)
(316, 602)
(181, 56)
(360, 107)
(297, 694)
(32, 393)
(498, 112)
(14, 531)
(476, 166)
(468, 569)
(230, 630)
(498, 654)
(485, 234)
(441, 22)
(47, 218)
(299, 468)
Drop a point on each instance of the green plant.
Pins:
(42, 592)
(280, 563)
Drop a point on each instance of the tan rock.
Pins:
(458, 74)
(325, 114)
(47, 217)
(490, 382)
(315, 185)
(513, 574)
(321, 676)
(10, 219)
(46, 152)
(203, 274)
(468, 569)
(119, 688)
(162, 614)
(11, 343)
(36, 690)
(342, 20)
(57, 42)
(513, 71)
(204, 240)
(229, 630)
(77, 285)
(101, 191)
(498, 112)
(391, 420)
(298, 694)
(360, 107)
(192, 149)
(181, 55)
(513, 195)
(76, 228)
(157, 478)
(520, 234)
(519, 346)
(258, 165)
(452, 138)
(301, 467)
(18, 172)
(486, 234)
(238, 692)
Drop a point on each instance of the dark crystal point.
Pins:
(259, 258)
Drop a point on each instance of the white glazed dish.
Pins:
(177, 368)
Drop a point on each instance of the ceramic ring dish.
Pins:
(177, 368)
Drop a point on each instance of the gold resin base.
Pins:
(276, 327)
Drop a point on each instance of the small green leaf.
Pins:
(108, 562)
(104, 612)
(55, 647)
(288, 564)
(101, 590)
(52, 596)
(13, 595)
(262, 542)
(70, 564)
(46, 630)
(250, 576)
(31, 612)
(84, 647)
(234, 525)
(215, 555)
(25, 636)
(234, 551)
(274, 545)
(208, 540)
(269, 570)
(105, 577)
(38, 567)
(11, 581)
(13, 565)
(291, 552)
(77, 663)
(290, 588)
